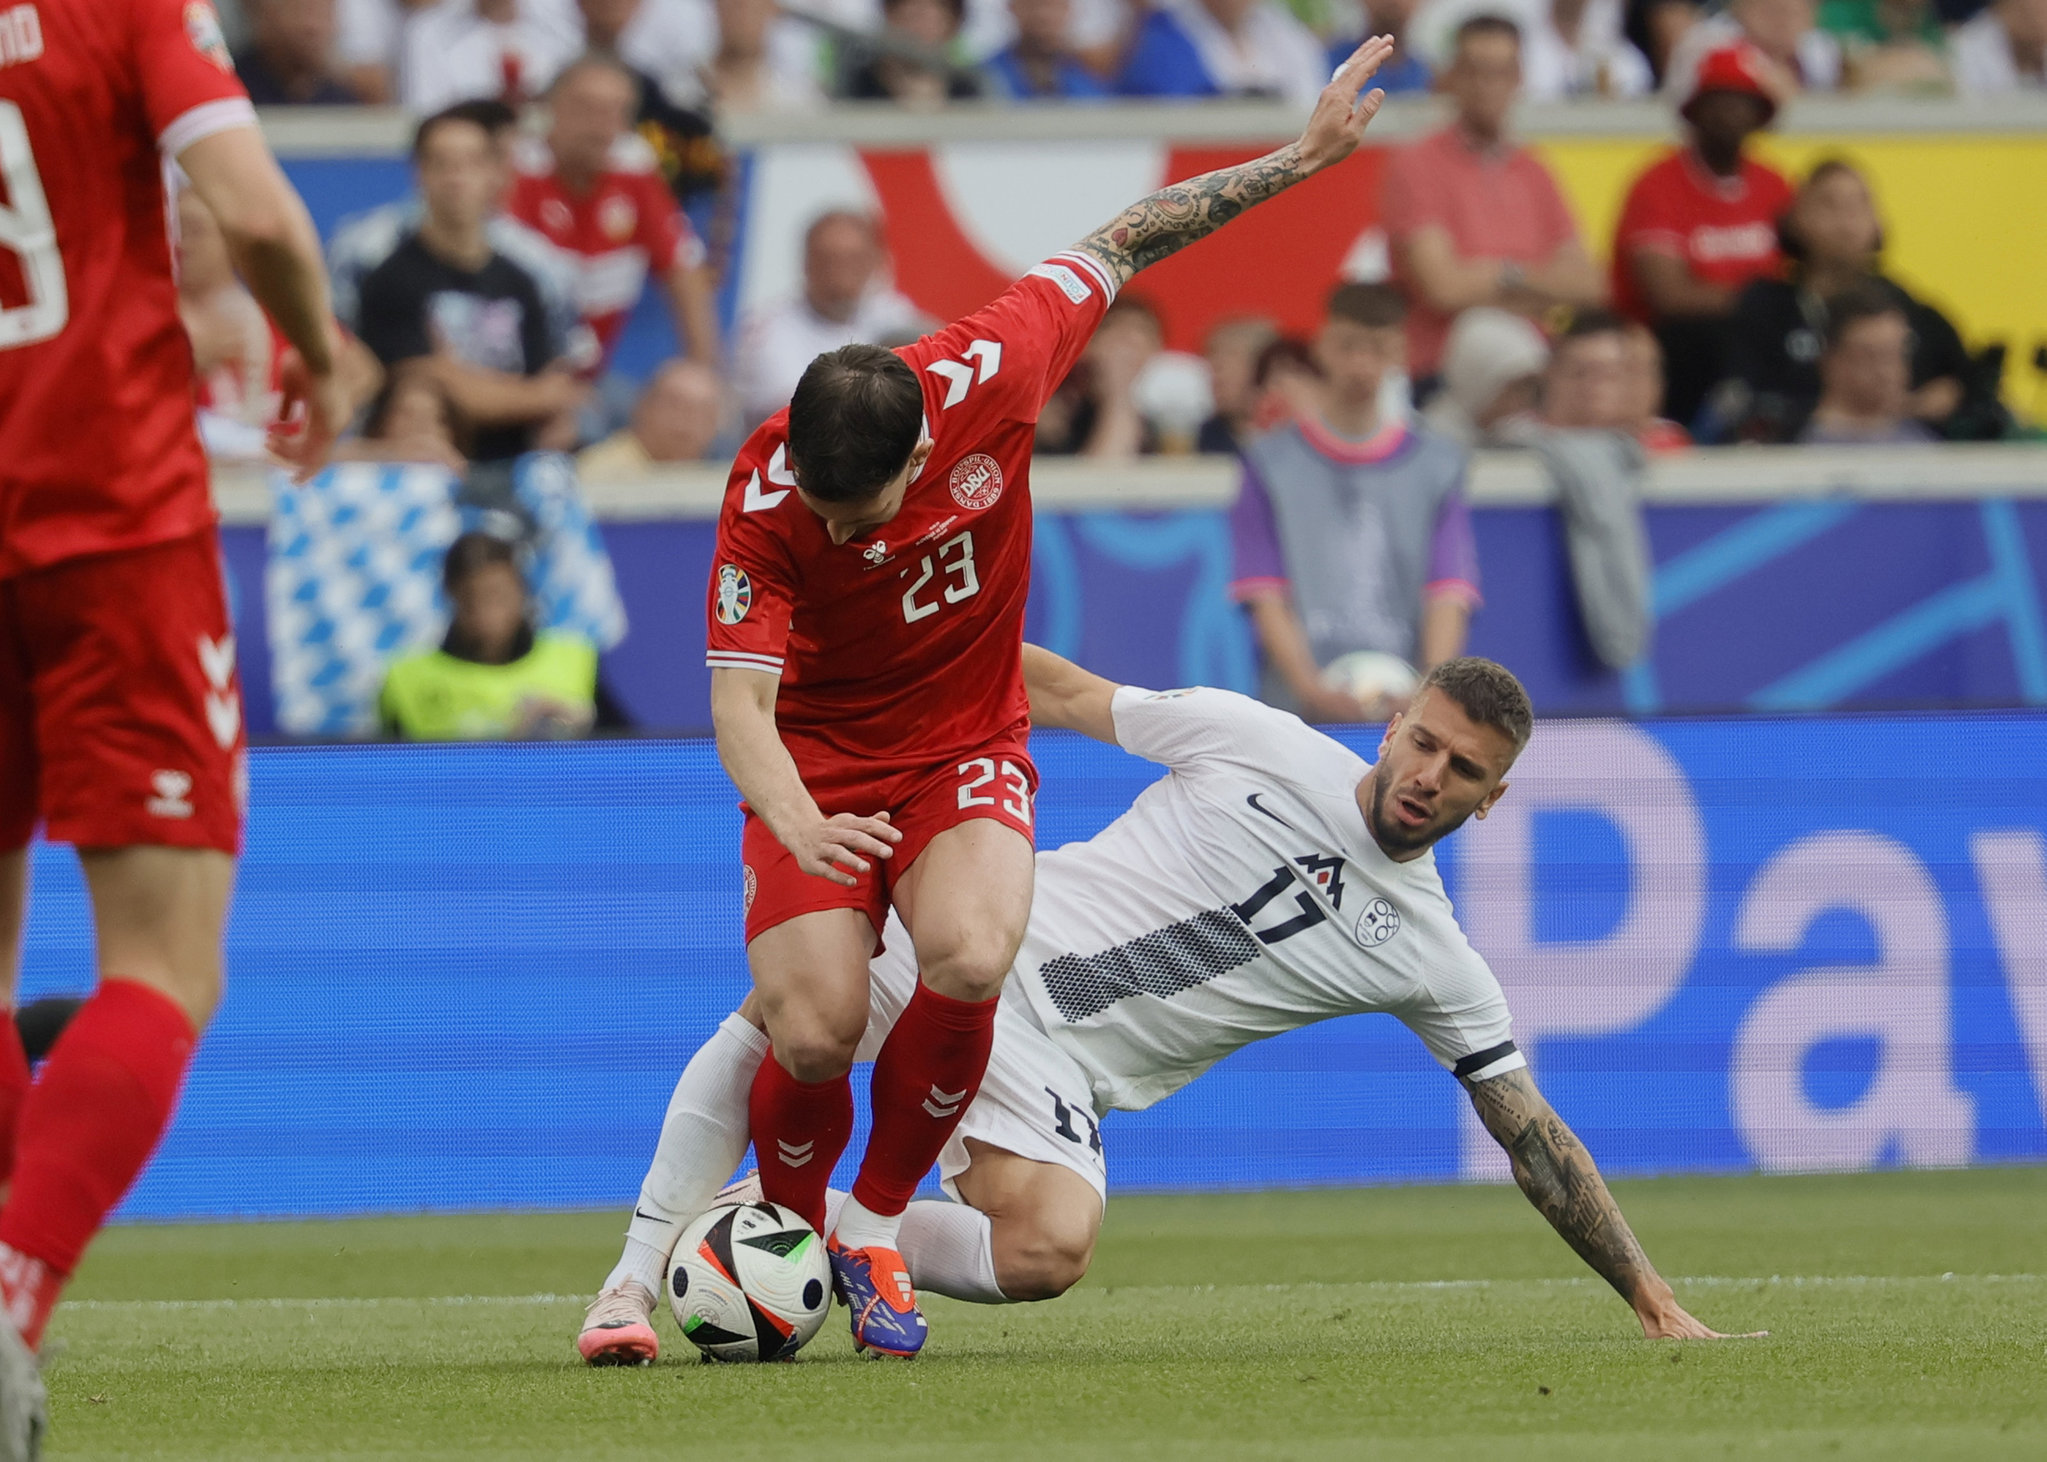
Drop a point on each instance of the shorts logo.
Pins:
(735, 593)
(1378, 923)
(173, 794)
(753, 887)
(202, 28)
(223, 706)
(977, 481)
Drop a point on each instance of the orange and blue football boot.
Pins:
(874, 1284)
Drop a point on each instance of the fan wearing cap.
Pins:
(1702, 222)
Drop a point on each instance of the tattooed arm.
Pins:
(1556, 1172)
(1174, 217)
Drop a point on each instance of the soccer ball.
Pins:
(1369, 674)
(749, 1282)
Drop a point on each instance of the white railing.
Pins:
(387, 131)
(1723, 475)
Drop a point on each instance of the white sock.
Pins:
(860, 1227)
(703, 1141)
(949, 1248)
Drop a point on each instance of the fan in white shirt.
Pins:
(461, 50)
(1270, 880)
(2003, 49)
(1568, 47)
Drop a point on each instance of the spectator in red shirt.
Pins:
(594, 189)
(1702, 223)
(1474, 218)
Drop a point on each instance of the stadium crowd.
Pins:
(564, 145)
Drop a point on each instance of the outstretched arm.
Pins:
(1174, 217)
(1557, 1173)
(1065, 697)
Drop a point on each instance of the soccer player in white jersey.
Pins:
(1271, 880)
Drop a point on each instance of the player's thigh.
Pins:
(13, 903)
(20, 806)
(810, 973)
(1044, 1219)
(966, 874)
(158, 916)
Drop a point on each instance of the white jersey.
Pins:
(1240, 897)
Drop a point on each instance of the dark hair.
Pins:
(1285, 351)
(1485, 24)
(957, 7)
(491, 115)
(853, 422)
(1379, 306)
(1593, 320)
(1859, 302)
(1486, 691)
(473, 552)
(1789, 242)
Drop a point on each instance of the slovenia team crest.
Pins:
(1378, 923)
(735, 593)
(977, 481)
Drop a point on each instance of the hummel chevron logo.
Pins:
(779, 474)
(796, 1154)
(223, 708)
(944, 1104)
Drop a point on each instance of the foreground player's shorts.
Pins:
(120, 713)
(1035, 1099)
(999, 781)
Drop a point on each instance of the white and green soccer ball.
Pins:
(749, 1282)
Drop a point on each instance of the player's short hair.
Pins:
(493, 116)
(853, 422)
(1866, 301)
(1485, 23)
(1488, 692)
(472, 553)
(1378, 306)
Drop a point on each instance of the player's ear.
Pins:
(921, 453)
(1392, 725)
(1490, 798)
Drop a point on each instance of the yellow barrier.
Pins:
(1965, 221)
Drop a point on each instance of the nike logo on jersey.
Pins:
(778, 473)
(1257, 806)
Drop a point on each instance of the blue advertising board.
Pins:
(466, 977)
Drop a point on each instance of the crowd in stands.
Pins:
(717, 57)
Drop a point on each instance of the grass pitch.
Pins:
(1907, 1311)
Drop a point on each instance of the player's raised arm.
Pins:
(1558, 1175)
(277, 253)
(1065, 697)
(1176, 216)
(743, 715)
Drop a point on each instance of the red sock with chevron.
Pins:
(927, 1073)
(799, 1130)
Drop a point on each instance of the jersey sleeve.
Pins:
(1460, 1013)
(1182, 729)
(751, 595)
(188, 82)
(1010, 355)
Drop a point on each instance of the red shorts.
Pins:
(999, 781)
(120, 715)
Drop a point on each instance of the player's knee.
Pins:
(1045, 1256)
(815, 1052)
(970, 968)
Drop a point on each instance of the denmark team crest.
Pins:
(977, 481)
(735, 593)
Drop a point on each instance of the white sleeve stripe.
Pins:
(1095, 270)
(732, 659)
(203, 121)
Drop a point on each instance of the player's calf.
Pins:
(1043, 1221)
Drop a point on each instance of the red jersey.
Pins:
(100, 452)
(904, 645)
(1725, 229)
(626, 226)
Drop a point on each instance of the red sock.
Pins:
(928, 1071)
(13, 1088)
(799, 1130)
(92, 1120)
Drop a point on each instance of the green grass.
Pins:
(1907, 1311)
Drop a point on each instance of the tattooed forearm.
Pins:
(1558, 1176)
(1174, 217)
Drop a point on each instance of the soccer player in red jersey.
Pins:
(120, 718)
(595, 190)
(866, 613)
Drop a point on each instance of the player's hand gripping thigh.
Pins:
(1043, 1220)
(965, 901)
(810, 973)
(158, 914)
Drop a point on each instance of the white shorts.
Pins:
(1035, 1101)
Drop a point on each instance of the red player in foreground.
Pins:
(120, 716)
(866, 632)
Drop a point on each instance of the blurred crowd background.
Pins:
(569, 158)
